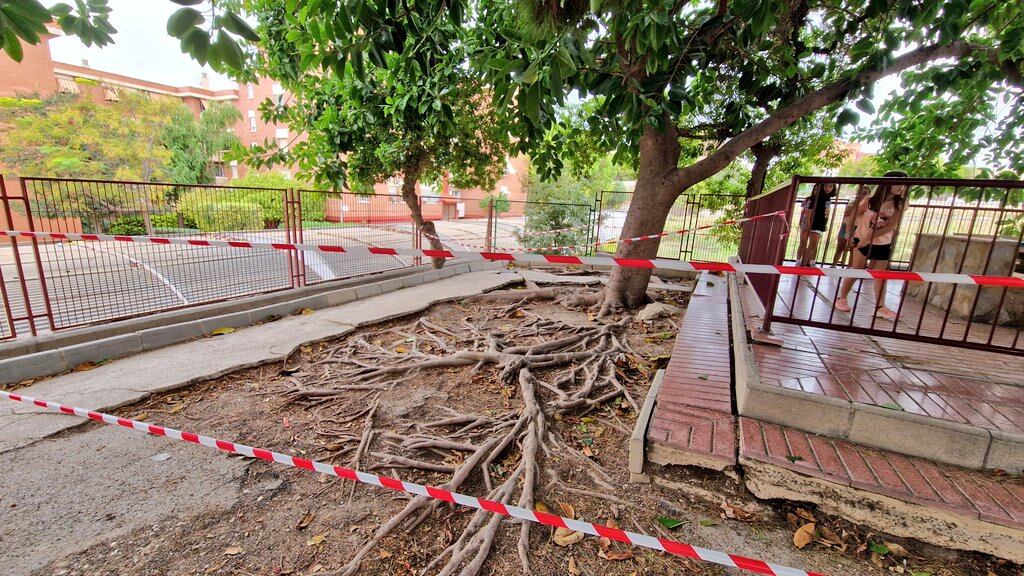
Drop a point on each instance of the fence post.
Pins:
(489, 241)
(47, 305)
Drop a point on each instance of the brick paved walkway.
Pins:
(999, 500)
(693, 420)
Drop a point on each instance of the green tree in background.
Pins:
(382, 91)
(194, 142)
(77, 137)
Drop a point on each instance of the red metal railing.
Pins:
(764, 241)
(948, 225)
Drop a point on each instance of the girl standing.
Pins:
(877, 219)
(846, 227)
(814, 221)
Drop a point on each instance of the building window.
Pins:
(110, 94)
(67, 85)
(455, 192)
(395, 190)
(252, 120)
(429, 194)
(248, 91)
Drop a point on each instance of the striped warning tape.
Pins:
(619, 535)
(600, 261)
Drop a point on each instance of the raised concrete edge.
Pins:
(931, 524)
(143, 336)
(954, 443)
(638, 440)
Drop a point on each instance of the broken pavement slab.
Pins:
(129, 380)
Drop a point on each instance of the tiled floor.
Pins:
(985, 389)
(694, 409)
(975, 494)
(807, 298)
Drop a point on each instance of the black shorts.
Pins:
(877, 251)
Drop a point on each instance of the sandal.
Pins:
(886, 313)
(842, 305)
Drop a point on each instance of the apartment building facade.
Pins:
(40, 74)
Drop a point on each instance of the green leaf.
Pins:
(669, 523)
(234, 23)
(793, 458)
(13, 47)
(229, 51)
(866, 106)
(532, 72)
(847, 117)
(182, 20)
(879, 549)
(187, 2)
(708, 523)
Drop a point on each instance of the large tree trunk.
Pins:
(763, 153)
(656, 190)
(409, 179)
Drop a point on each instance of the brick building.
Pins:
(39, 74)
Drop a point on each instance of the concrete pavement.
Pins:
(131, 379)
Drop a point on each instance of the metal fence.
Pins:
(956, 226)
(543, 225)
(689, 212)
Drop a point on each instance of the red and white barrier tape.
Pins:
(556, 248)
(601, 261)
(660, 544)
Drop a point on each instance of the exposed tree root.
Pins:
(556, 368)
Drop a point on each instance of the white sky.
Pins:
(142, 48)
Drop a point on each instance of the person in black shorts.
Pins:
(814, 221)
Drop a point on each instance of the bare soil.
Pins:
(292, 522)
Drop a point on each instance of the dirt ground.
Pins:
(292, 522)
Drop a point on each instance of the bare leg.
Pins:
(811, 253)
(858, 261)
(802, 247)
(879, 284)
(840, 255)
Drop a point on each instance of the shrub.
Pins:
(127, 226)
(228, 216)
(171, 221)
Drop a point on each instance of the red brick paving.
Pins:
(943, 382)
(967, 492)
(694, 406)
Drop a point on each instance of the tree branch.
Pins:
(805, 105)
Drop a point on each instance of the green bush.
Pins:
(227, 216)
(171, 221)
(127, 226)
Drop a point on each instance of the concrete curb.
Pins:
(638, 440)
(61, 352)
(954, 443)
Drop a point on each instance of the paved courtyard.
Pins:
(91, 282)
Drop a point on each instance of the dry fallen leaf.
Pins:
(177, 408)
(565, 537)
(897, 550)
(233, 550)
(305, 520)
(306, 311)
(222, 331)
(804, 535)
(316, 540)
(385, 554)
(604, 542)
(567, 510)
(85, 366)
(611, 523)
(737, 513)
(805, 515)
(573, 568)
(616, 554)
(588, 452)
(401, 349)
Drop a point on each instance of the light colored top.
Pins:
(868, 221)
